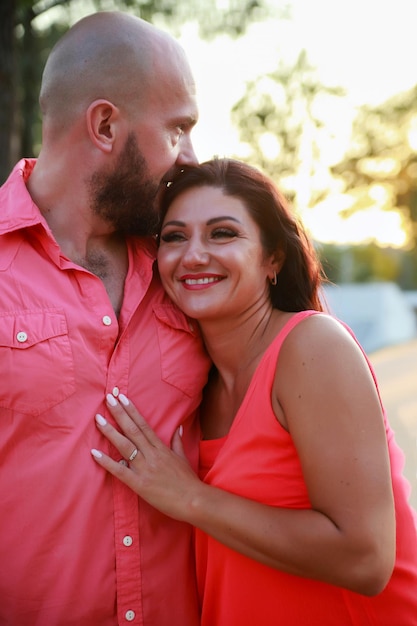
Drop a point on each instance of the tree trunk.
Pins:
(7, 84)
(30, 63)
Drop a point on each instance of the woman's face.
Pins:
(210, 258)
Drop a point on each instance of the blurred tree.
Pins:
(20, 70)
(282, 119)
(383, 154)
(362, 263)
(24, 47)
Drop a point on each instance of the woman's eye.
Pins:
(223, 233)
(173, 236)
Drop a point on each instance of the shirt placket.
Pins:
(126, 511)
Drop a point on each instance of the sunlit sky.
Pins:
(366, 46)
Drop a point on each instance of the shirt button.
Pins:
(107, 320)
(21, 337)
(130, 616)
(127, 541)
(116, 391)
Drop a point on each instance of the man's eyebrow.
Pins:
(187, 120)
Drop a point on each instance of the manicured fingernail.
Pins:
(96, 453)
(111, 400)
(181, 430)
(101, 420)
(123, 399)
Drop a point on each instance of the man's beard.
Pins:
(126, 196)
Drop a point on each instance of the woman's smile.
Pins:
(200, 281)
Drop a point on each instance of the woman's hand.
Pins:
(159, 475)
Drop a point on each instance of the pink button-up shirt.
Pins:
(77, 547)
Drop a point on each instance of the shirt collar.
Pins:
(17, 207)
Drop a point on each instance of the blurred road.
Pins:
(396, 370)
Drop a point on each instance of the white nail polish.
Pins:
(96, 453)
(123, 399)
(101, 420)
(111, 400)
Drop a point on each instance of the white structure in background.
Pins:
(379, 313)
(412, 299)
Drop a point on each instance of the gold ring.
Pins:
(133, 455)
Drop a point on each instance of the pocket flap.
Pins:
(23, 329)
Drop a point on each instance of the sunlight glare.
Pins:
(381, 167)
(270, 146)
(379, 193)
(326, 224)
(412, 138)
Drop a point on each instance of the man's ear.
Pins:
(102, 117)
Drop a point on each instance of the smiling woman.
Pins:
(210, 255)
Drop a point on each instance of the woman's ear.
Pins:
(102, 118)
(276, 261)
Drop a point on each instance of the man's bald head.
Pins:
(107, 55)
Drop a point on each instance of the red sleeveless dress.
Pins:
(258, 460)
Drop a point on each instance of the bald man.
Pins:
(83, 314)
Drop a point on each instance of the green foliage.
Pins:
(365, 263)
(214, 17)
(281, 110)
(384, 149)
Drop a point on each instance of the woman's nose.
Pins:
(195, 254)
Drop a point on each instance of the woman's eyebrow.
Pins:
(222, 218)
(173, 223)
(213, 220)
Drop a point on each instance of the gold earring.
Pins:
(274, 279)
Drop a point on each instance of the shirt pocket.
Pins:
(184, 362)
(37, 366)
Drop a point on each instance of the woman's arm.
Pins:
(325, 396)
(327, 399)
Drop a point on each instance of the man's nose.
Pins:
(186, 155)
